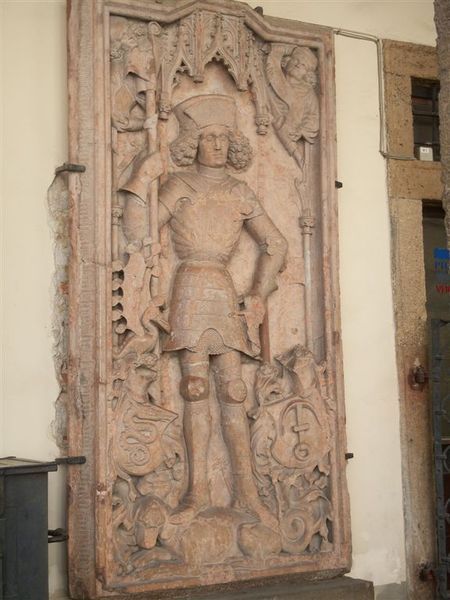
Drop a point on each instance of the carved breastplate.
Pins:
(207, 225)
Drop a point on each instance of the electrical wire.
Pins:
(380, 70)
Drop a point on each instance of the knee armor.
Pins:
(194, 388)
(234, 392)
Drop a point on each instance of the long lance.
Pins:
(152, 144)
(153, 313)
(151, 126)
(307, 224)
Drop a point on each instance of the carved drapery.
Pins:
(207, 392)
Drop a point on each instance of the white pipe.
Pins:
(380, 64)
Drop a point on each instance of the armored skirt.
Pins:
(206, 222)
(204, 310)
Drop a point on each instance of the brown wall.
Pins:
(410, 182)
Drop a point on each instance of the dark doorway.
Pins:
(437, 273)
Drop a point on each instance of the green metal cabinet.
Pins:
(24, 529)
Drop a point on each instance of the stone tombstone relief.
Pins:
(205, 369)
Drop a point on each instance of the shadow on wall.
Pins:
(393, 591)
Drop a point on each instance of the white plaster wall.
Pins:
(33, 75)
(33, 124)
(2, 244)
(374, 475)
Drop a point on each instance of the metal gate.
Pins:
(440, 377)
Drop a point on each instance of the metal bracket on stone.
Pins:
(71, 168)
(426, 572)
(418, 377)
(349, 455)
(57, 535)
(70, 460)
(338, 185)
(60, 534)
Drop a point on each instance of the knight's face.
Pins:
(213, 146)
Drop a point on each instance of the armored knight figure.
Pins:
(206, 210)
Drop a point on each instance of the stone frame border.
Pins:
(90, 275)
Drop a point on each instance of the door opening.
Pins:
(437, 273)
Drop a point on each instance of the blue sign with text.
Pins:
(441, 269)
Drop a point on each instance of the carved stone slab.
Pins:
(205, 364)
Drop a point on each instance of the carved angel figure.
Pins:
(132, 74)
(292, 76)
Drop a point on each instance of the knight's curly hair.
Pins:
(240, 152)
(184, 150)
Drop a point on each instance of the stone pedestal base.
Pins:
(341, 588)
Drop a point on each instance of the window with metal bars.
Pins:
(425, 109)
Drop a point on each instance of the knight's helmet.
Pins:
(208, 109)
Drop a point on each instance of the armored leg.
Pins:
(194, 388)
(232, 393)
